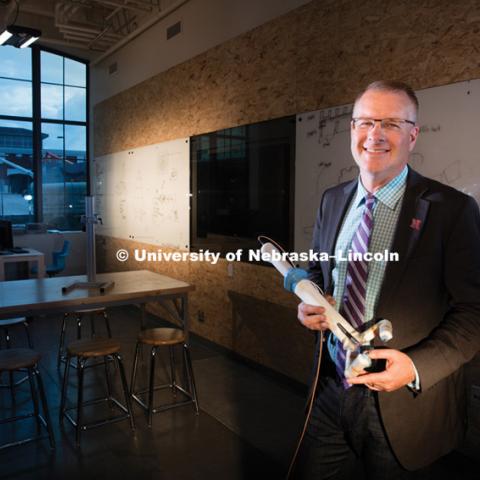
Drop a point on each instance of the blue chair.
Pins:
(58, 264)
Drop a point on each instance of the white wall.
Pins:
(205, 23)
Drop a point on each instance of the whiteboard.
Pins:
(144, 194)
(448, 149)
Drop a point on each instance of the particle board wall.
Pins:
(314, 57)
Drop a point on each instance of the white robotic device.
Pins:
(353, 341)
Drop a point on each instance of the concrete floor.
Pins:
(247, 427)
(235, 436)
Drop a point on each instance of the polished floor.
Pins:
(247, 426)
(237, 434)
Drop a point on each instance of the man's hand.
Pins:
(399, 372)
(314, 317)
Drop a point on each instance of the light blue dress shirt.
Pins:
(385, 217)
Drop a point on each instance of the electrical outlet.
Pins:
(201, 316)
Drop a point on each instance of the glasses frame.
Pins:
(381, 120)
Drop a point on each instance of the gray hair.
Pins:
(391, 86)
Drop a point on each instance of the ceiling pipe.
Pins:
(126, 6)
(63, 43)
(89, 36)
(80, 28)
(139, 30)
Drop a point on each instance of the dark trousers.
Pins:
(345, 438)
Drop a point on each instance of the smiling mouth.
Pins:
(376, 150)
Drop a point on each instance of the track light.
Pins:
(20, 37)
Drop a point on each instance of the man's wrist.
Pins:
(415, 383)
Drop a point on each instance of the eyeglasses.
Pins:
(390, 124)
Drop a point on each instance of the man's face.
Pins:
(382, 153)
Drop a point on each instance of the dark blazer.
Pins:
(432, 298)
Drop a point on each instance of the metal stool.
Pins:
(162, 337)
(20, 359)
(79, 316)
(5, 326)
(85, 350)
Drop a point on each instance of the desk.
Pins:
(31, 256)
(43, 296)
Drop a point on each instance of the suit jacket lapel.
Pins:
(336, 213)
(411, 221)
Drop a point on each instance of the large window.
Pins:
(43, 137)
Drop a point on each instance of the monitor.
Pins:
(6, 235)
(242, 182)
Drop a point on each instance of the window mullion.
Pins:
(37, 135)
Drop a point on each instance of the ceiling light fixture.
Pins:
(20, 37)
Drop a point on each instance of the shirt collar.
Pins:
(389, 194)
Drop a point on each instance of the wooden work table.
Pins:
(43, 296)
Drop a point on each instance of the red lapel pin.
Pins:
(415, 224)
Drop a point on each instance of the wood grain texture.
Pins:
(161, 336)
(45, 295)
(313, 57)
(93, 347)
(16, 358)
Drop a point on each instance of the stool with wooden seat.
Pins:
(84, 351)
(5, 326)
(16, 359)
(156, 338)
(79, 314)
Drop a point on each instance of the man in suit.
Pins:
(405, 417)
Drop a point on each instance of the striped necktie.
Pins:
(353, 305)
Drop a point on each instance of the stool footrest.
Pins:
(15, 384)
(26, 440)
(18, 417)
(136, 397)
(99, 423)
(22, 442)
(23, 417)
(163, 407)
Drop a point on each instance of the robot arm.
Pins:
(296, 281)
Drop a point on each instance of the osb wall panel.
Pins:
(222, 87)
(344, 45)
(249, 312)
(316, 56)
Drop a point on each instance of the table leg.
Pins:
(41, 267)
(184, 317)
(142, 316)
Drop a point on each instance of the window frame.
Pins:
(37, 121)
